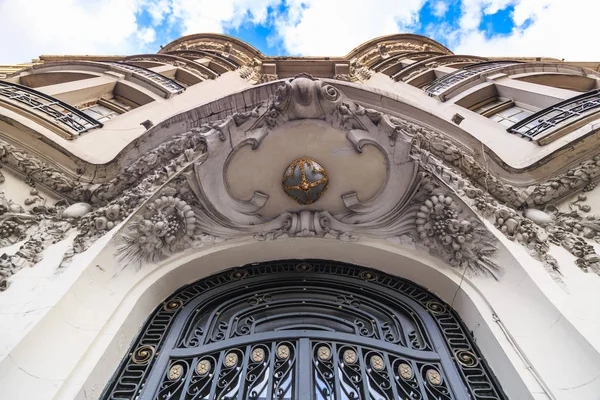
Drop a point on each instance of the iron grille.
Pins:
(168, 84)
(62, 113)
(303, 330)
(545, 122)
(440, 85)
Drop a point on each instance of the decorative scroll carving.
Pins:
(431, 166)
(223, 48)
(384, 50)
(393, 213)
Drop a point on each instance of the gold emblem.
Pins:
(203, 367)
(405, 371)
(258, 355)
(350, 357)
(305, 180)
(324, 353)
(231, 360)
(175, 372)
(434, 377)
(377, 363)
(283, 352)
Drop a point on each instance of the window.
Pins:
(546, 125)
(70, 119)
(441, 85)
(103, 110)
(511, 116)
(168, 84)
(503, 111)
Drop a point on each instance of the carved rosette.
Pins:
(464, 241)
(167, 226)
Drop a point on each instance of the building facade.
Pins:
(210, 222)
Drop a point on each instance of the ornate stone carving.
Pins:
(464, 241)
(167, 226)
(167, 158)
(47, 231)
(431, 165)
(392, 213)
(39, 171)
(574, 179)
(220, 47)
(358, 71)
(253, 72)
(384, 50)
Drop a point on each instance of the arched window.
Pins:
(303, 330)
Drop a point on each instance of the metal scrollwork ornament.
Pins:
(143, 354)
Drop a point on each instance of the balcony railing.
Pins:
(549, 120)
(168, 84)
(66, 116)
(440, 85)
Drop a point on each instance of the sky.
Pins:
(564, 29)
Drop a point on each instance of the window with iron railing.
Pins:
(441, 85)
(71, 120)
(168, 84)
(553, 122)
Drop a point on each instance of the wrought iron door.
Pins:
(303, 330)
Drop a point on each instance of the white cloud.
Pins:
(33, 27)
(544, 28)
(146, 35)
(440, 8)
(158, 10)
(554, 28)
(313, 27)
(216, 15)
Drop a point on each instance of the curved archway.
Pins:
(303, 329)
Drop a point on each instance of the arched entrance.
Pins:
(303, 330)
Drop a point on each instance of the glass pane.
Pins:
(520, 116)
(510, 111)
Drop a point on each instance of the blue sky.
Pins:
(298, 27)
